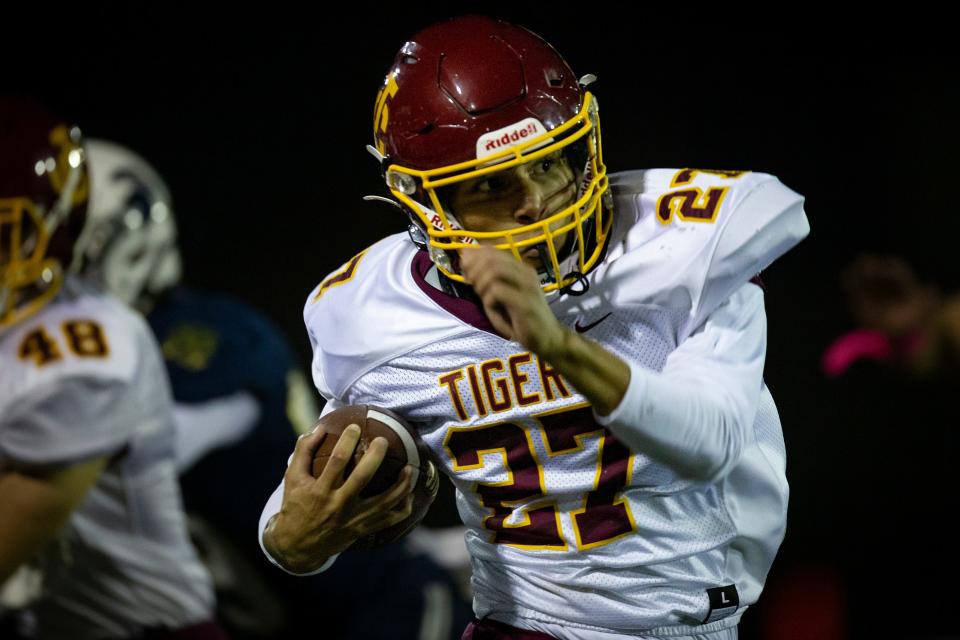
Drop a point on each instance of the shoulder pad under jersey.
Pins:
(80, 335)
(368, 311)
(687, 239)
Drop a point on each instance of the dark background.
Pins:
(258, 120)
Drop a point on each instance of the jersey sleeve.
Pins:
(72, 419)
(696, 415)
(78, 403)
(764, 225)
(317, 363)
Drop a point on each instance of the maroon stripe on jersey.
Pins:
(757, 280)
(488, 629)
(466, 310)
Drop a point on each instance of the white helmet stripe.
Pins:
(413, 454)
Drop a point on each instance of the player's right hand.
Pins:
(323, 516)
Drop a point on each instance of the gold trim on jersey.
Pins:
(520, 378)
(578, 438)
(601, 435)
(686, 176)
(501, 393)
(548, 378)
(531, 502)
(506, 401)
(476, 389)
(85, 338)
(343, 276)
(381, 110)
(621, 502)
(39, 346)
(449, 380)
(691, 205)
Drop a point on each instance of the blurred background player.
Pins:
(890, 394)
(87, 474)
(241, 400)
(902, 322)
(582, 353)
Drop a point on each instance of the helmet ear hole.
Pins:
(577, 154)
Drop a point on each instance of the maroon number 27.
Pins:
(601, 519)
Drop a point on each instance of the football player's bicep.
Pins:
(36, 505)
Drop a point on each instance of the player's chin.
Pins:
(533, 258)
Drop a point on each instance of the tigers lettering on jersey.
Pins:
(500, 385)
(84, 339)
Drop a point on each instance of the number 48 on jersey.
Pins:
(83, 339)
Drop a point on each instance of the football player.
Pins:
(240, 400)
(582, 352)
(87, 473)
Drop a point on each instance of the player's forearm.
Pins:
(698, 434)
(601, 376)
(30, 517)
(681, 423)
(282, 549)
(290, 556)
(696, 414)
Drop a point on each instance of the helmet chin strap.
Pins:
(576, 288)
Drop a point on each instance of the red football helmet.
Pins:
(473, 96)
(43, 200)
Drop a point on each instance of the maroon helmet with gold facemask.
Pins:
(43, 201)
(473, 96)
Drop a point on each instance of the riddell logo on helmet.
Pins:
(437, 223)
(511, 136)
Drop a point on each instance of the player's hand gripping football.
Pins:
(513, 300)
(323, 516)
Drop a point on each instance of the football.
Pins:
(404, 447)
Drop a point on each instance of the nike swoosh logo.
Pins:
(580, 329)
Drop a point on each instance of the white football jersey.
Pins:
(82, 379)
(570, 531)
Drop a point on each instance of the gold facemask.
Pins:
(588, 216)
